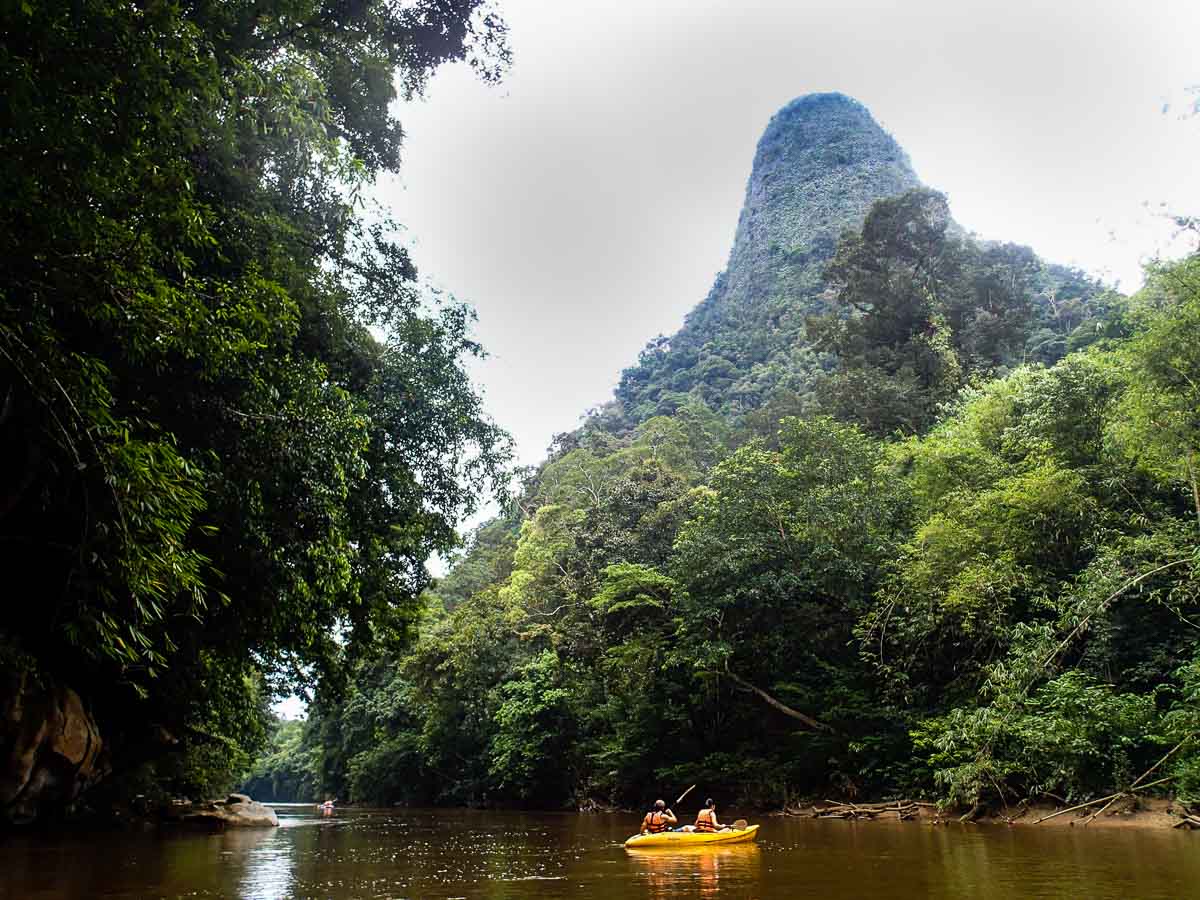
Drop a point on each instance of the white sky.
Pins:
(586, 204)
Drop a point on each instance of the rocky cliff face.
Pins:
(820, 164)
(50, 748)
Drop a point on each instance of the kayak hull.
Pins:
(692, 838)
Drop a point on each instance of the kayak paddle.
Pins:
(684, 794)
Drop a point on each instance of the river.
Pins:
(511, 856)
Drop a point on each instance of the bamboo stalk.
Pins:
(1134, 786)
(1101, 810)
(1132, 790)
(1104, 605)
(1164, 759)
(1080, 806)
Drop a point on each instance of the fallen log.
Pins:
(1088, 821)
(889, 806)
(875, 807)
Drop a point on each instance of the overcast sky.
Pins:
(585, 205)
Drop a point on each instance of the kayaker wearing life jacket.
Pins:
(658, 819)
(706, 819)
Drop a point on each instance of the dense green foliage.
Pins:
(234, 428)
(980, 585)
(921, 313)
(287, 768)
(896, 510)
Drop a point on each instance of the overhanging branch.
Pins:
(777, 704)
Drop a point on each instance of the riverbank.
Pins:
(1135, 813)
(1121, 813)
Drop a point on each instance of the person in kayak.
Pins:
(706, 819)
(658, 819)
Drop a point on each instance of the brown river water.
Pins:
(510, 855)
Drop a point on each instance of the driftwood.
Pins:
(592, 805)
(1188, 822)
(901, 809)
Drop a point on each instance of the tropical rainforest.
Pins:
(233, 425)
(897, 510)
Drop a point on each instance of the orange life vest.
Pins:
(657, 822)
(704, 821)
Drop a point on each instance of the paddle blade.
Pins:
(740, 825)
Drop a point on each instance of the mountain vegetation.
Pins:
(898, 510)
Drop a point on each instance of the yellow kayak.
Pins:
(692, 838)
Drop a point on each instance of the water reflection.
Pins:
(668, 872)
(266, 859)
(378, 854)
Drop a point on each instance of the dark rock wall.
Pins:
(50, 749)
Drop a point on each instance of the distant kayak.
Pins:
(692, 838)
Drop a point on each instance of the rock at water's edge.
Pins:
(236, 811)
(50, 748)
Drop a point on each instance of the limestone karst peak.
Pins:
(821, 162)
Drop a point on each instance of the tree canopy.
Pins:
(998, 598)
(235, 426)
